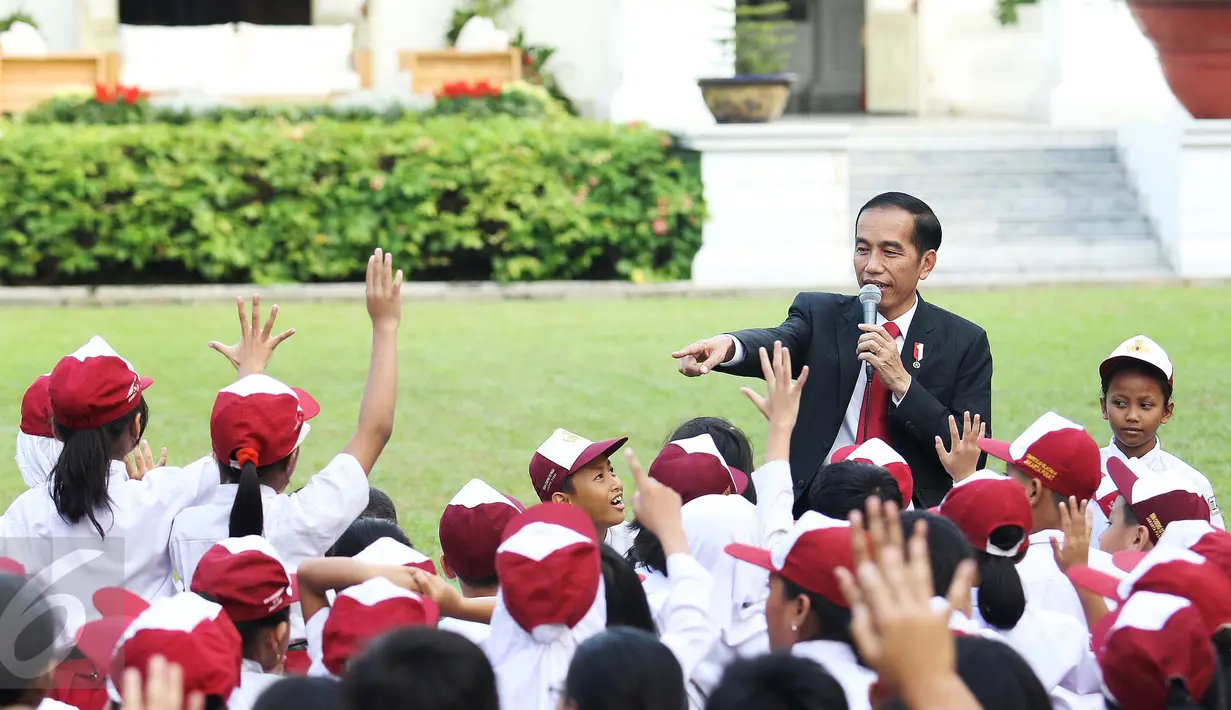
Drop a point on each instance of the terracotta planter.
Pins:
(756, 98)
(1193, 39)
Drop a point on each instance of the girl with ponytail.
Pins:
(995, 516)
(101, 525)
(257, 427)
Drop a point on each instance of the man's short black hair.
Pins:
(420, 667)
(380, 505)
(843, 486)
(926, 235)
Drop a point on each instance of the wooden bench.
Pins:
(26, 81)
(430, 71)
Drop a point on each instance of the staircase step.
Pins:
(995, 277)
(1059, 255)
(1077, 226)
(991, 138)
(986, 159)
(922, 185)
(1012, 204)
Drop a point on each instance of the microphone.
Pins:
(870, 298)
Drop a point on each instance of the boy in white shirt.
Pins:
(1146, 503)
(1138, 379)
(1054, 460)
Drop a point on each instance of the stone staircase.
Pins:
(1017, 203)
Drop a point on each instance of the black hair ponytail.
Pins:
(79, 476)
(646, 550)
(1002, 599)
(248, 511)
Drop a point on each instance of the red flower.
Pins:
(130, 94)
(104, 94)
(659, 226)
(527, 60)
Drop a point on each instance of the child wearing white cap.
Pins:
(1138, 379)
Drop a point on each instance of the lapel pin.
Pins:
(918, 356)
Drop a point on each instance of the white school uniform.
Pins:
(1046, 587)
(134, 552)
(299, 525)
(620, 538)
(1158, 461)
(253, 680)
(839, 659)
(473, 630)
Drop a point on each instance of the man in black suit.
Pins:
(928, 362)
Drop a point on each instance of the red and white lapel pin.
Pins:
(918, 356)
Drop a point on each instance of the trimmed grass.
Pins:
(481, 384)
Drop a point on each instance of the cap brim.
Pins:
(1101, 583)
(597, 451)
(307, 403)
(9, 565)
(999, 449)
(1121, 475)
(119, 602)
(97, 640)
(1128, 559)
(752, 555)
(144, 383)
(1106, 366)
(740, 478)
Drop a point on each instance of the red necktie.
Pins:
(874, 416)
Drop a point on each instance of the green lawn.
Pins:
(483, 383)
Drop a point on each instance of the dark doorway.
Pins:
(215, 12)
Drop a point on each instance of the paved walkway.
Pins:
(12, 296)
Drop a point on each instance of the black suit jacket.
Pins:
(822, 330)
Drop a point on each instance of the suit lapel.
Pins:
(846, 335)
(921, 328)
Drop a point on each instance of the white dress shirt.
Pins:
(839, 659)
(298, 525)
(1158, 461)
(134, 552)
(679, 603)
(1046, 587)
(849, 431)
(253, 680)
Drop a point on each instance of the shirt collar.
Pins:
(826, 652)
(1044, 537)
(903, 321)
(251, 666)
(1149, 455)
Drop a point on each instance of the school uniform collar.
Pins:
(826, 652)
(250, 666)
(1044, 537)
(1149, 457)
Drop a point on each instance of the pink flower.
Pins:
(659, 226)
(377, 183)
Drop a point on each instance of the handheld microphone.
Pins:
(869, 298)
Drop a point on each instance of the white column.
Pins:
(661, 48)
(1106, 71)
(1203, 247)
(779, 202)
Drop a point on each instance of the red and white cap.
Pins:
(1141, 349)
(1202, 538)
(1059, 453)
(1167, 570)
(1157, 499)
(259, 419)
(878, 453)
(563, 454)
(985, 502)
(94, 386)
(472, 526)
(1155, 639)
(246, 576)
(36, 409)
(365, 611)
(549, 567)
(807, 556)
(694, 468)
(1105, 495)
(185, 629)
(387, 551)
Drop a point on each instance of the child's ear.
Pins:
(136, 428)
(1168, 412)
(444, 567)
(1141, 537)
(1103, 403)
(558, 497)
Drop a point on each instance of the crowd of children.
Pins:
(1078, 578)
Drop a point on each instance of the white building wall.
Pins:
(57, 20)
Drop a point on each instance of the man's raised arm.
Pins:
(730, 351)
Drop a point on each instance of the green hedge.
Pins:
(456, 199)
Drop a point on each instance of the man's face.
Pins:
(598, 492)
(885, 255)
(1120, 535)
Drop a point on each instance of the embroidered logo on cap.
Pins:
(1039, 467)
(1140, 346)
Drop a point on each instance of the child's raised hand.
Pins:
(963, 459)
(780, 405)
(256, 344)
(1075, 523)
(384, 290)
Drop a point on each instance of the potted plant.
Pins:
(759, 90)
(1193, 39)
